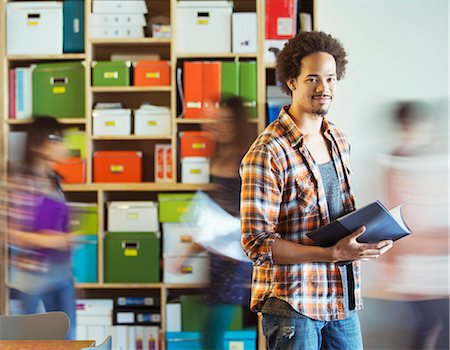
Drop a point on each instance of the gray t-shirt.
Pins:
(332, 188)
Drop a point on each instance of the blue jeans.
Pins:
(303, 333)
(61, 299)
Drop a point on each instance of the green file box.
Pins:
(75, 141)
(83, 218)
(132, 257)
(58, 89)
(111, 73)
(194, 309)
(247, 87)
(173, 207)
(230, 79)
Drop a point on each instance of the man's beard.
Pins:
(321, 111)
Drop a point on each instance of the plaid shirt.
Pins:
(283, 197)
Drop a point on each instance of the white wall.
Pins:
(397, 50)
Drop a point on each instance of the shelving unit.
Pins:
(132, 96)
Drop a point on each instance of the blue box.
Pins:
(84, 259)
(273, 109)
(245, 340)
(73, 26)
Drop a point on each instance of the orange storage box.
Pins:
(117, 166)
(72, 170)
(152, 73)
(196, 144)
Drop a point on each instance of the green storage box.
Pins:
(194, 310)
(111, 73)
(132, 257)
(173, 207)
(75, 141)
(58, 90)
(83, 218)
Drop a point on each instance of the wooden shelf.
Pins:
(132, 137)
(130, 88)
(138, 286)
(134, 187)
(74, 121)
(65, 56)
(216, 55)
(130, 41)
(204, 121)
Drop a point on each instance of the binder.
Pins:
(193, 90)
(212, 84)
(51, 214)
(230, 80)
(73, 26)
(247, 87)
(12, 94)
(24, 97)
(281, 19)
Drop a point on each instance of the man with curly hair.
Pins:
(295, 178)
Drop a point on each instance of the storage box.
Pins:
(111, 121)
(203, 26)
(195, 269)
(139, 216)
(281, 19)
(117, 166)
(132, 258)
(58, 89)
(195, 170)
(83, 218)
(30, 25)
(129, 6)
(75, 141)
(177, 237)
(72, 170)
(117, 32)
(84, 259)
(111, 73)
(196, 144)
(152, 73)
(173, 207)
(152, 120)
(234, 340)
(271, 49)
(194, 310)
(118, 20)
(244, 32)
(73, 31)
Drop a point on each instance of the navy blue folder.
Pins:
(379, 222)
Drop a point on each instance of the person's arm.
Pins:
(46, 239)
(262, 187)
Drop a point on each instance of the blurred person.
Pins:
(229, 278)
(40, 259)
(295, 178)
(416, 271)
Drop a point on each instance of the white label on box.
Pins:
(125, 317)
(236, 345)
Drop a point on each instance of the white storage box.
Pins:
(139, 216)
(152, 120)
(111, 122)
(178, 237)
(194, 269)
(203, 26)
(271, 47)
(244, 32)
(129, 6)
(29, 25)
(121, 20)
(195, 170)
(117, 32)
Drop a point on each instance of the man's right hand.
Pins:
(349, 249)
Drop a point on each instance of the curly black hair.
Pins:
(290, 57)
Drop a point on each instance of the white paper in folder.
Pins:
(219, 232)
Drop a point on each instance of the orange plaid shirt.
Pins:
(283, 197)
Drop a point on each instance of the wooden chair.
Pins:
(106, 345)
(49, 325)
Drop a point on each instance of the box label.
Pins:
(130, 252)
(59, 90)
(199, 145)
(116, 168)
(132, 216)
(152, 75)
(196, 171)
(110, 75)
(110, 123)
(236, 345)
(152, 123)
